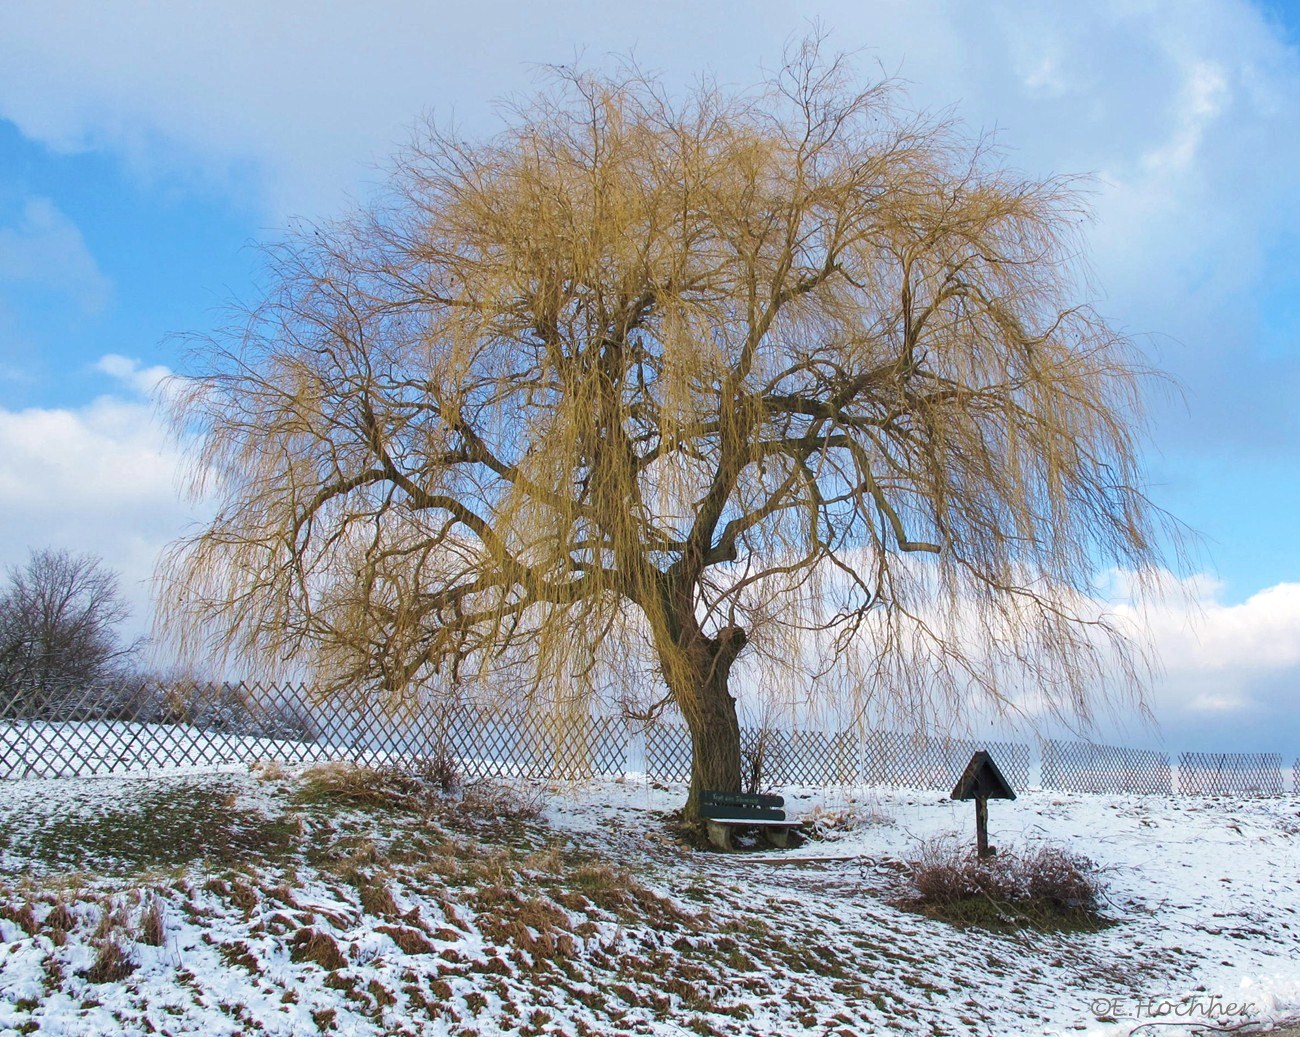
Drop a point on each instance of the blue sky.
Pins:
(145, 149)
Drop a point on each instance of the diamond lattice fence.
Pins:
(893, 758)
(63, 731)
(668, 753)
(1086, 767)
(60, 730)
(770, 757)
(1230, 774)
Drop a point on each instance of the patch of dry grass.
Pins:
(350, 784)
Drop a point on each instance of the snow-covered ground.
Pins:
(271, 913)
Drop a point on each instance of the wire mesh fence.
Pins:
(1087, 767)
(63, 730)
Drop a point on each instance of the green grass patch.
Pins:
(154, 824)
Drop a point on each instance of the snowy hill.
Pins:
(245, 903)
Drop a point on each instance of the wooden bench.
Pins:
(723, 811)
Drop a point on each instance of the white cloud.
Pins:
(46, 249)
(1258, 635)
(132, 374)
(1230, 670)
(102, 478)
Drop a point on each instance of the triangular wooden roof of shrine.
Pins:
(982, 780)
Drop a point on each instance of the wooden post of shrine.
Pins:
(982, 781)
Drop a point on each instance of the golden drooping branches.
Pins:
(640, 382)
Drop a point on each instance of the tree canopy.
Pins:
(59, 619)
(646, 381)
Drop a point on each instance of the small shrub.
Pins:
(268, 770)
(496, 801)
(441, 771)
(825, 825)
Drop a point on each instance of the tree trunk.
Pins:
(697, 669)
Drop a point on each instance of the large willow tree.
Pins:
(650, 380)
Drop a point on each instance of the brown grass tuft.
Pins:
(113, 962)
(313, 945)
(152, 929)
(376, 897)
(410, 941)
(60, 919)
(23, 916)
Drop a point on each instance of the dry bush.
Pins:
(826, 825)
(1048, 885)
(499, 801)
(268, 770)
(941, 874)
(441, 771)
(423, 785)
(355, 785)
(113, 961)
(1056, 876)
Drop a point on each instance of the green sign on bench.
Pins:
(723, 811)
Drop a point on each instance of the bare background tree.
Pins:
(59, 619)
(645, 383)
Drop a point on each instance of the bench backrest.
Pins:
(754, 807)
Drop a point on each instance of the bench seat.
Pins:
(723, 811)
